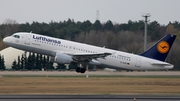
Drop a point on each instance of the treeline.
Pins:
(127, 37)
(32, 62)
(2, 62)
(70, 29)
(37, 62)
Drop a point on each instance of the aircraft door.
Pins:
(138, 62)
(27, 39)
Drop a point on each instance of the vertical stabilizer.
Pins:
(160, 50)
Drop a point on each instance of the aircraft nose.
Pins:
(5, 40)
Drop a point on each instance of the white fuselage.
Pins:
(118, 60)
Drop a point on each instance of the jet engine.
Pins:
(61, 58)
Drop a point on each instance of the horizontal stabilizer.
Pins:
(160, 63)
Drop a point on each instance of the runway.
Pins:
(89, 73)
(55, 97)
(89, 98)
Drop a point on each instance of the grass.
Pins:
(92, 85)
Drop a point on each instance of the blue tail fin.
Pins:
(160, 50)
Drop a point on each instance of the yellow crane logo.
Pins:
(163, 47)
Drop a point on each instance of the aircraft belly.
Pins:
(115, 64)
(42, 51)
(22, 47)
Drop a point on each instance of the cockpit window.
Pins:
(16, 36)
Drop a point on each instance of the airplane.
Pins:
(66, 52)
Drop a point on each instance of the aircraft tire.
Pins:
(78, 69)
(83, 70)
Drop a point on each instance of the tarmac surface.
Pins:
(89, 98)
(89, 73)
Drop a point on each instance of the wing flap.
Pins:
(89, 56)
(86, 56)
(92, 55)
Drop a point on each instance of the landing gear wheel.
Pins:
(78, 69)
(83, 70)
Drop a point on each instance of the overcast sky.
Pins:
(118, 11)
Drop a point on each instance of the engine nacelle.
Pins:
(62, 58)
(94, 62)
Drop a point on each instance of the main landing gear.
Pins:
(80, 70)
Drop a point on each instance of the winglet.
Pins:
(160, 50)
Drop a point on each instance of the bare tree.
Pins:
(7, 28)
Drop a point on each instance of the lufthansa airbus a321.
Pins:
(65, 52)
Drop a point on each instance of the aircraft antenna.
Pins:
(145, 29)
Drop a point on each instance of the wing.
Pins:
(89, 56)
(85, 57)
